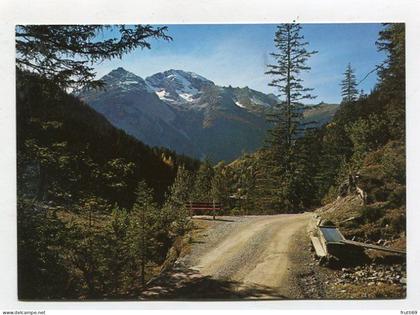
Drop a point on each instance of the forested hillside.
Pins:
(72, 161)
(75, 151)
(361, 152)
(87, 192)
(367, 134)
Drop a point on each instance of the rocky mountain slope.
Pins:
(188, 113)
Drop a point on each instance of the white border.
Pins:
(201, 12)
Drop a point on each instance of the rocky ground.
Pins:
(379, 275)
(307, 278)
(369, 281)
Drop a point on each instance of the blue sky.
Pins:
(237, 55)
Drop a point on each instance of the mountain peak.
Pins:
(119, 72)
(178, 86)
(181, 76)
(121, 78)
(174, 71)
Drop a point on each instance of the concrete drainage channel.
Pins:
(330, 245)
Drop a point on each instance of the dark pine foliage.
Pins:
(65, 54)
(77, 175)
(349, 85)
(305, 170)
(283, 171)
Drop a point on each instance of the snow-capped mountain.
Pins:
(189, 90)
(179, 87)
(126, 81)
(130, 104)
(185, 112)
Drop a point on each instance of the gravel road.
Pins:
(235, 258)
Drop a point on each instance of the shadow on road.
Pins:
(189, 284)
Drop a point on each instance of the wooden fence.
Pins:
(204, 207)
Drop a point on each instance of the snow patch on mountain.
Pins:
(239, 104)
(128, 82)
(184, 87)
(178, 87)
(258, 101)
(163, 95)
(187, 96)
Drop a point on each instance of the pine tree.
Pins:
(63, 53)
(175, 209)
(267, 183)
(307, 164)
(291, 60)
(392, 76)
(42, 269)
(117, 268)
(246, 191)
(392, 42)
(362, 95)
(349, 91)
(144, 226)
(202, 183)
(179, 192)
(221, 183)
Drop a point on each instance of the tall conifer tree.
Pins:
(203, 183)
(175, 209)
(144, 226)
(290, 61)
(392, 75)
(349, 90)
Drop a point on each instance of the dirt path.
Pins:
(247, 257)
(256, 253)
